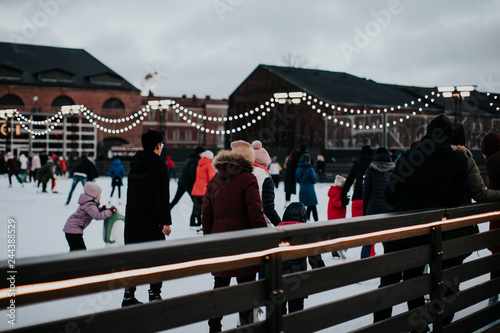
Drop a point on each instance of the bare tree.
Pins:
(294, 60)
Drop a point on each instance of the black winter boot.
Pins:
(154, 296)
(129, 298)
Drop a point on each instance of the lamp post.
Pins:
(34, 110)
(458, 93)
(288, 98)
(6, 129)
(72, 110)
(162, 106)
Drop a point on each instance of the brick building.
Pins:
(341, 112)
(197, 125)
(38, 80)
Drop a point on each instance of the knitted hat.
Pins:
(245, 148)
(199, 149)
(295, 211)
(459, 138)
(441, 125)
(261, 156)
(305, 158)
(92, 189)
(366, 150)
(382, 157)
(207, 154)
(339, 181)
(490, 144)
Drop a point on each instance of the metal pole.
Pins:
(384, 130)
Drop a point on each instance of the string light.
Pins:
(321, 107)
(365, 111)
(261, 111)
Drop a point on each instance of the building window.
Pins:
(113, 103)
(62, 100)
(11, 100)
(56, 75)
(106, 79)
(176, 135)
(188, 135)
(10, 73)
(176, 116)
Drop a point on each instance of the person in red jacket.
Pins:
(336, 208)
(232, 202)
(204, 172)
(171, 168)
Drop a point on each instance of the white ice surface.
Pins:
(40, 218)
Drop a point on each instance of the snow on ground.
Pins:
(40, 218)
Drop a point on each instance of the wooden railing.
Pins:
(48, 278)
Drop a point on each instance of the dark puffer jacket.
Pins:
(148, 207)
(357, 174)
(376, 178)
(431, 176)
(295, 213)
(188, 175)
(232, 202)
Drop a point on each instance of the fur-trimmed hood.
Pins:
(462, 149)
(232, 159)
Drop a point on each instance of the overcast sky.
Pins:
(209, 47)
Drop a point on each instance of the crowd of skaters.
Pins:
(235, 190)
(39, 168)
(446, 175)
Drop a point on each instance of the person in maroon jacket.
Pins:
(232, 202)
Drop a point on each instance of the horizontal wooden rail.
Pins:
(79, 273)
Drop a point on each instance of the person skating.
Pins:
(85, 171)
(266, 184)
(336, 208)
(232, 202)
(204, 172)
(87, 211)
(147, 213)
(306, 177)
(13, 168)
(116, 172)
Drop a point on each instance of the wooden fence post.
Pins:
(274, 288)
(436, 267)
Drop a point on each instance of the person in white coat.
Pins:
(266, 184)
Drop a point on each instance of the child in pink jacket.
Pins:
(88, 210)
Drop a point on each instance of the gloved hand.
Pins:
(113, 209)
(344, 200)
(103, 207)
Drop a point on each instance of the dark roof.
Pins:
(346, 89)
(75, 68)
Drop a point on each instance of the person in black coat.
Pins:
(291, 164)
(186, 182)
(431, 176)
(147, 214)
(357, 173)
(376, 178)
(188, 175)
(84, 171)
